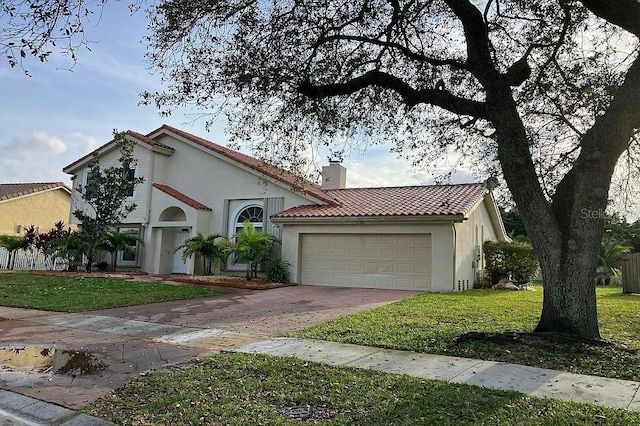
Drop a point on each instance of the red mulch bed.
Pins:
(204, 281)
(84, 274)
(233, 282)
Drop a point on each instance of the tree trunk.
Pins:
(565, 232)
(114, 260)
(569, 296)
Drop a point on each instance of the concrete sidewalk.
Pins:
(538, 382)
(19, 410)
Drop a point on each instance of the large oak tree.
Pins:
(545, 92)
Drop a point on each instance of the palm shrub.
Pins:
(12, 243)
(209, 249)
(252, 247)
(278, 270)
(114, 241)
(608, 270)
(71, 246)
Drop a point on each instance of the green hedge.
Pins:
(515, 261)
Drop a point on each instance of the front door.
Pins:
(179, 267)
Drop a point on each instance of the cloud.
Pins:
(35, 158)
(51, 144)
(90, 142)
(383, 169)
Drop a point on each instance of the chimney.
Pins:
(334, 176)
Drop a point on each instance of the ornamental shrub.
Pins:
(278, 270)
(515, 261)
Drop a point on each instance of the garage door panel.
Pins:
(340, 266)
(367, 260)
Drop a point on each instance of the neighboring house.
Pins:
(38, 204)
(417, 238)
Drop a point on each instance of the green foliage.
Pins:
(104, 197)
(514, 260)
(278, 270)
(252, 247)
(610, 259)
(513, 224)
(12, 243)
(619, 230)
(78, 294)
(210, 249)
(71, 246)
(114, 241)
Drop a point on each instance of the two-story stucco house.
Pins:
(416, 238)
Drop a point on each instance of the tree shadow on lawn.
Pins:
(550, 350)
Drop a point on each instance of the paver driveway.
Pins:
(135, 339)
(262, 312)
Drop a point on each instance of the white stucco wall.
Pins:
(470, 235)
(210, 180)
(441, 242)
(140, 196)
(213, 181)
(199, 173)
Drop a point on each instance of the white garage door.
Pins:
(392, 261)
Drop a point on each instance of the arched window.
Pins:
(253, 213)
(251, 210)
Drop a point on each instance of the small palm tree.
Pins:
(71, 246)
(115, 241)
(12, 243)
(608, 270)
(252, 247)
(209, 249)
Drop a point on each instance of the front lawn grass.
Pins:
(244, 389)
(433, 323)
(77, 294)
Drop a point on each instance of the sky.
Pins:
(57, 115)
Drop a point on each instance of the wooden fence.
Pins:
(631, 273)
(30, 261)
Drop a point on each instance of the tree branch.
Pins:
(623, 13)
(410, 96)
(403, 49)
(477, 37)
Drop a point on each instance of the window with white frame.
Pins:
(129, 258)
(252, 211)
(129, 176)
(89, 183)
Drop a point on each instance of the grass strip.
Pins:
(77, 294)
(241, 389)
(440, 323)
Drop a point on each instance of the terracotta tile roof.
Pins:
(180, 196)
(274, 172)
(148, 140)
(14, 190)
(432, 200)
(139, 136)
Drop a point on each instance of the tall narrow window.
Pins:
(129, 176)
(90, 188)
(129, 257)
(254, 213)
